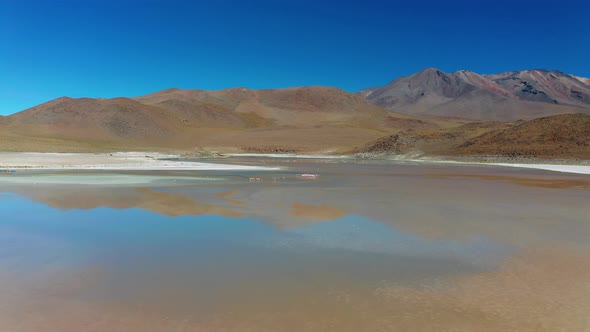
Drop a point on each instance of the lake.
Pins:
(351, 246)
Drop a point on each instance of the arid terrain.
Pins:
(506, 96)
(556, 137)
(428, 113)
(561, 136)
(293, 119)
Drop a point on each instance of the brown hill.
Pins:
(293, 119)
(431, 142)
(561, 136)
(88, 121)
(121, 117)
(564, 136)
(503, 97)
(278, 120)
(199, 108)
(241, 107)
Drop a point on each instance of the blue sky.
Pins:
(52, 48)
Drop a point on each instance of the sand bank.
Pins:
(289, 155)
(160, 161)
(109, 161)
(577, 169)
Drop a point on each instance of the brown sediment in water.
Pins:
(178, 205)
(543, 290)
(236, 202)
(316, 212)
(227, 194)
(553, 183)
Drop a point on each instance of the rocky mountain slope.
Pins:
(564, 136)
(503, 97)
(441, 141)
(545, 86)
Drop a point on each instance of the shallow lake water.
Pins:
(364, 246)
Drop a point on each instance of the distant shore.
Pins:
(563, 166)
(137, 161)
(161, 161)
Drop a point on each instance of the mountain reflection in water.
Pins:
(365, 246)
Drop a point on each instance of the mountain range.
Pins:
(242, 119)
(506, 96)
(447, 110)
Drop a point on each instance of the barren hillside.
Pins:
(502, 97)
(293, 119)
(561, 136)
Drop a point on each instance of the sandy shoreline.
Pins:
(563, 168)
(289, 155)
(575, 169)
(138, 161)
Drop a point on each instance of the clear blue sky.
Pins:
(104, 48)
